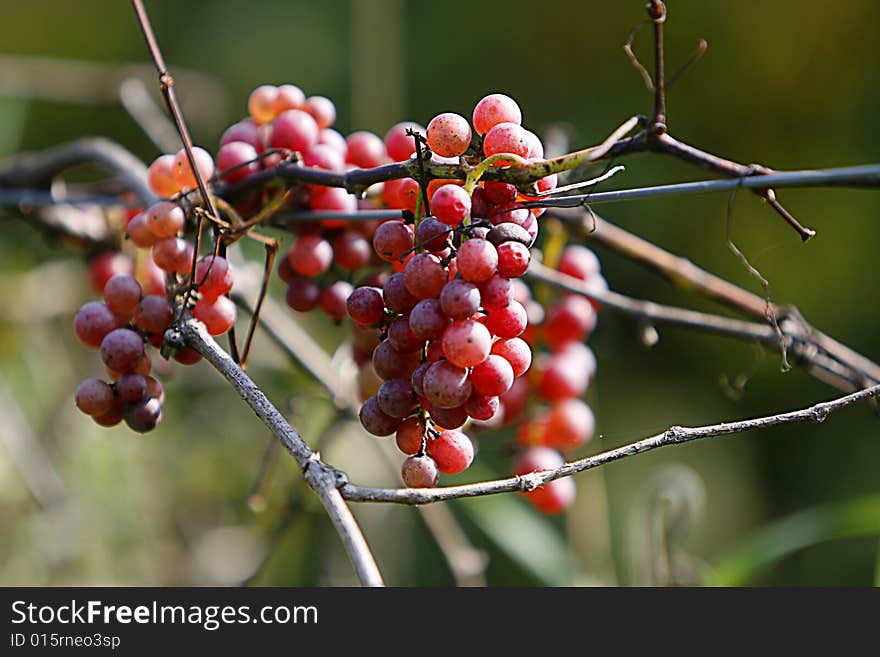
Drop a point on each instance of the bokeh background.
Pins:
(790, 84)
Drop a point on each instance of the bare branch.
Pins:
(321, 478)
(675, 435)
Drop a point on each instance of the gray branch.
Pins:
(675, 435)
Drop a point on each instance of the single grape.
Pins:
(496, 292)
(365, 149)
(375, 420)
(452, 450)
(424, 276)
(427, 319)
(218, 316)
(446, 385)
(311, 255)
(516, 352)
(144, 415)
(508, 232)
(94, 321)
(392, 239)
(499, 193)
(243, 131)
(507, 322)
(261, 103)
(131, 387)
(578, 261)
(288, 96)
(397, 398)
(506, 137)
(139, 232)
(122, 294)
(237, 160)
(513, 259)
(324, 156)
(419, 472)
(466, 343)
(493, 376)
(554, 496)
(432, 235)
(333, 299)
(351, 250)
(392, 364)
(336, 141)
(400, 146)
(448, 418)
(173, 255)
(481, 407)
(183, 172)
(302, 294)
(409, 436)
(570, 424)
(397, 298)
(94, 397)
(477, 260)
(449, 134)
(418, 378)
(450, 204)
(214, 276)
(494, 109)
(402, 337)
(122, 349)
(567, 373)
(187, 356)
(459, 299)
(155, 388)
(322, 109)
(294, 130)
(160, 176)
(332, 199)
(571, 319)
(366, 306)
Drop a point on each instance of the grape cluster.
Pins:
(560, 421)
(449, 322)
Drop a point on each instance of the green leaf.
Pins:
(852, 519)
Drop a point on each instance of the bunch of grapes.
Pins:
(560, 421)
(450, 326)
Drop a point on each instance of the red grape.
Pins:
(94, 321)
(94, 397)
(452, 450)
(449, 135)
(419, 472)
(218, 316)
(494, 109)
(122, 349)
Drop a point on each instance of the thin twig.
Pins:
(675, 435)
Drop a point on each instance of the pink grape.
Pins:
(160, 176)
(513, 259)
(351, 250)
(139, 232)
(496, 292)
(365, 149)
(94, 397)
(123, 294)
(153, 314)
(427, 319)
(173, 255)
(165, 219)
(492, 377)
(481, 407)
(366, 306)
(397, 298)
(459, 298)
(446, 385)
(448, 418)
(402, 337)
(409, 436)
(452, 450)
(122, 349)
(261, 103)
(322, 109)
(239, 156)
(449, 134)
(288, 96)
(477, 260)
(392, 239)
(93, 322)
(294, 130)
(466, 343)
(218, 316)
(399, 145)
(311, 255)
(432, 235)
(494, 109)
(507, 322)
(515, 351)
(397, 398)
(506, 138)
(302, 294)
(333, 298)
(325, 157)
(392, 364)
(375, 420)
(214, 276)
(450, 204)
(183, 172)
(424, 276)
(419, 472)
(243, 131)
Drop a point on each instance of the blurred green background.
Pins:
(789, 84)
